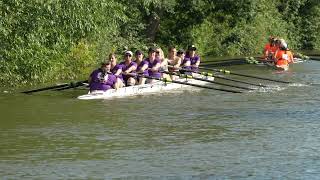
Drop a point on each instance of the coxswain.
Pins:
(102, 79)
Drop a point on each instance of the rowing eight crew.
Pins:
(277, 52)
(117, 75)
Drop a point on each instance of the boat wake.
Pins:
(271, 88)
(298, 85)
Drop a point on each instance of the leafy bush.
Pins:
(44, 41)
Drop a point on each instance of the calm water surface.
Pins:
(265, 134)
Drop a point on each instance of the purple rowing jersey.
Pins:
(193, 61)
(156, 74)
(124, 67)
(184, 62)
(101, 81)
(142, 63)
(115, 69)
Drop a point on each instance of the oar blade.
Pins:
(45, 88)
(58, 87)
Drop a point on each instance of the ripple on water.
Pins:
(270, 133)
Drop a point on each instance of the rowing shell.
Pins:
(158, 86)
(283, 68)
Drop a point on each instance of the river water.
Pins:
(198, 134)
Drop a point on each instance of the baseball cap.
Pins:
(192, 47)
(128, 52)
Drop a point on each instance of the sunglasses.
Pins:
(128, 55)
(157, 52)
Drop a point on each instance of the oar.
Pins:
(65, 85)
(46, 88)
(190, 84)
(221, 77)
(244, 75)
(207, 80)
(73, 85)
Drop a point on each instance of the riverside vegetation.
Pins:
(44, 41)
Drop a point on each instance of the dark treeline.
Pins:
(48, 40)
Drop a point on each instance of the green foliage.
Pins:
(38, 37)
(44, 41)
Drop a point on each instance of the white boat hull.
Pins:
(158, 86)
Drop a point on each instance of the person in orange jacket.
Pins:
(270, 48)
(283, 55)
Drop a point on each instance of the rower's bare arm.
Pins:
(163, 63)
(119, 71)
(156, 67)
(178, 63)
(144, 67)
(132, 68)
(188, 63)
(197, 63)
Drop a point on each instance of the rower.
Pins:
(181, 54)
(153, 65)
(116, 70)
(185, 63)
(193, 58)
(288, 51)
(173, 59)
(283, 56)
(142, 67)
(269, 48)
(128, 69)
(164, 63)
(102, 79)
